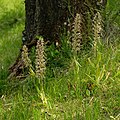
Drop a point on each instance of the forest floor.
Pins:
(86, 87)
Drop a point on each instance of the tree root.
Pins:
(16, 70)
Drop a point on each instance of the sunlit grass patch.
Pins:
(11, 26)
(10, 42)
(12, 12)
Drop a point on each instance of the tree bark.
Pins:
(47, 18)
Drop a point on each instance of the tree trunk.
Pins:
(47, 18)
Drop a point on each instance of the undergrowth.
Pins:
(75, 87)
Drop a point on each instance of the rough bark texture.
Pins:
(47, 18)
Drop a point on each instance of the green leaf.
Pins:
(87, 92)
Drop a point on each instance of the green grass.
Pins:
(11, 26)
(86, 87)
